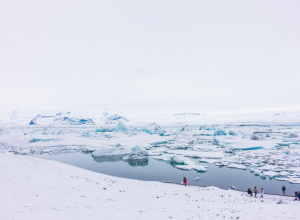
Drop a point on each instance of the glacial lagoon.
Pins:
(165, 171)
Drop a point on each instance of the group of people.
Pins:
(297, 196)
(261, 191)
(255, 190)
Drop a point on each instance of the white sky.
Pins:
(193, 56)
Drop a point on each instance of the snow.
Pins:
(39, 189)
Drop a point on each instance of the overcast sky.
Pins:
(192, 56)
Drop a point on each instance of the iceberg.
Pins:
(232, 133)
(137, 153)
(108, 151)
(207, 127)
(182, 160)
(113, 119)
(155, 129)
(215, 141)
(219, 132)
(121, 128)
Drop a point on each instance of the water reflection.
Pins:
(135, 163)
(116, 158)
(112, 158)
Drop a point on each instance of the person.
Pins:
(296, 196)
(255, 191)
(261, 192)
(184, 181)
(283, 190)
(299, 195)
(250, 192)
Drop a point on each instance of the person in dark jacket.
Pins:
(250, 192)
(299, 195)
(283, 190)
(184, 181)
(296, 196)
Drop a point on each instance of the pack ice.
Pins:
(267, 147)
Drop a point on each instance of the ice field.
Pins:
(268, 143)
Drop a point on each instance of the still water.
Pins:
(157, 170)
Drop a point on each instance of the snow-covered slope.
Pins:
(39, 189)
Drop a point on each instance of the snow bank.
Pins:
(40, 189)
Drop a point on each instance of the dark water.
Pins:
(157, 170)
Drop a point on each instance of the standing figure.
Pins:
(283, 190)
(261, 192)
(255, 191)
(296, 196)
(250, 192)
(184, 181)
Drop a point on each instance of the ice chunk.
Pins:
(146, 131)
(137, 153)
(215, 141)
(207, 127)
(203, 160)
(232, 133)
(166, 157)
(86, 134)
(197, 178)
(155, 129)
(111, 151)
(219, 132)
(113, 119)
(105, 130)
(121, 128)
(200, 154)
(190, 167)
(139, 150)
(237, 166)
(252, 148)
(182, 160)
(271, 173)
(254, 137)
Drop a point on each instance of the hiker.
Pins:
(261, 193)
(184, 181)
(250, 192)
(255, 191)
(283, 190)
(296, 196)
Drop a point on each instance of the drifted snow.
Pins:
(40, 189)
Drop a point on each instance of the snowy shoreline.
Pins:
(34, 188)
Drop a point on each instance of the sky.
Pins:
(191, 56)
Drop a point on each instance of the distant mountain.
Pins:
(60, 118)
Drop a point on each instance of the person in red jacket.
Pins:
(184, 181)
